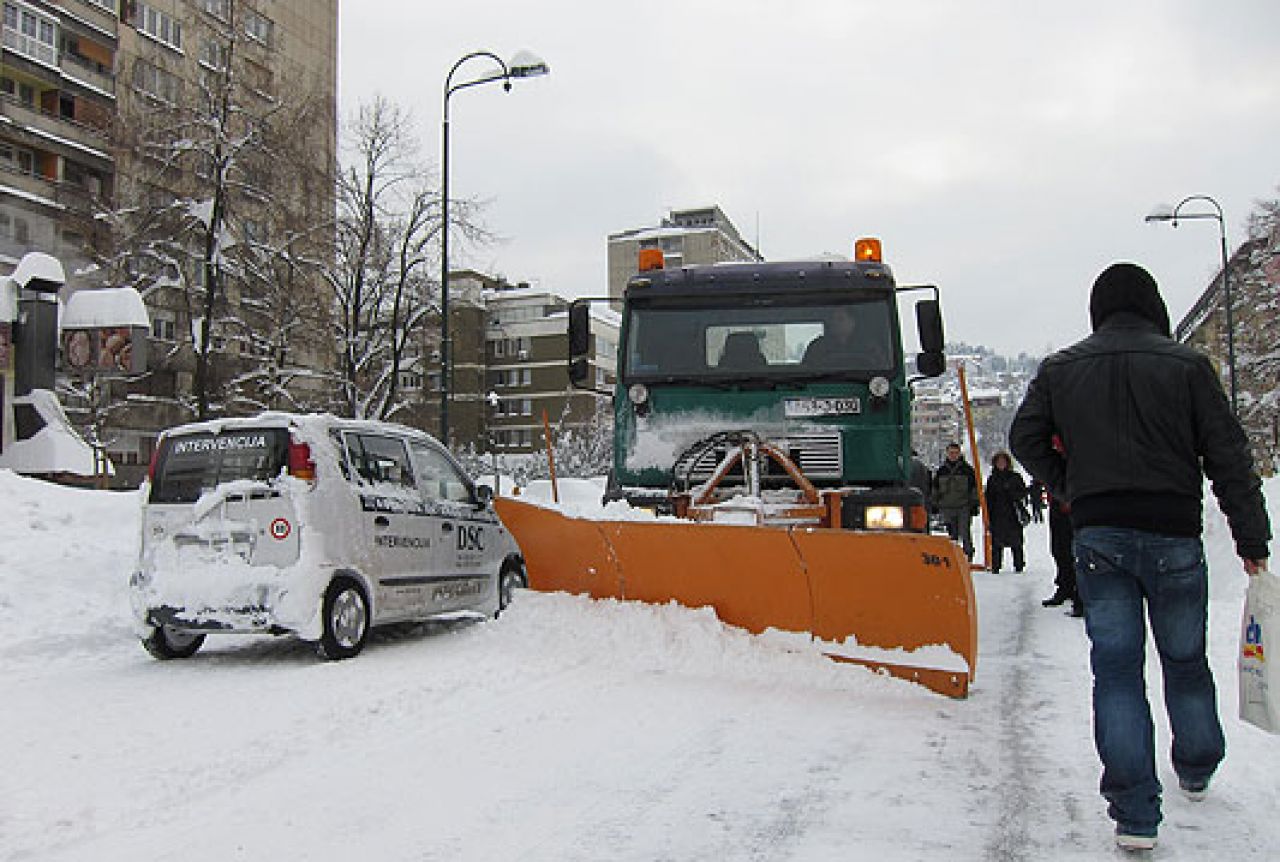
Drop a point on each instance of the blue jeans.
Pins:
(1117, 571)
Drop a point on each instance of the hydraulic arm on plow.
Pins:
(766, 408)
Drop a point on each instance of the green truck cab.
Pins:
(807, 356)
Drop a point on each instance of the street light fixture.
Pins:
(1173, 215)
(524, 64)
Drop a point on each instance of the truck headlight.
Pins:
(879, 387)
(885, 518)
(638, 393)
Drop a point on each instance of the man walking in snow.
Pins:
(955, 495)
(1141, 418)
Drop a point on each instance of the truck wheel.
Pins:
(166, 643)
(509, 580)
(346, 620)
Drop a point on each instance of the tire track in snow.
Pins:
(1011, 841)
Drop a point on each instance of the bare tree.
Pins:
(389, 220)
(215, 217)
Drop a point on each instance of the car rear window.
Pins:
(190, 464)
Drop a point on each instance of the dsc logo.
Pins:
(470, 538)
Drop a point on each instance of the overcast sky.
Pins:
(1004, 150)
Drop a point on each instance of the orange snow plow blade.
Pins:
(899, 602)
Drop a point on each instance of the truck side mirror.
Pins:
(579, 340)
(930, 361)
(579, 329)
(929, 325)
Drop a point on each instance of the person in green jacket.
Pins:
(955, 497)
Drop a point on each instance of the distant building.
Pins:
(510, 364)
(686, 237)
(936, 420)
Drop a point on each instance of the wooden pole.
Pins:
(551, 457)
(977, 468)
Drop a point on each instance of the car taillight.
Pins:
(151, 466)
(300, 464)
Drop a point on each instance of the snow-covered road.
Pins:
(567, 730)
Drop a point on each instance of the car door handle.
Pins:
(382, 521)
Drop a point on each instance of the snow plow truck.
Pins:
(763, 412)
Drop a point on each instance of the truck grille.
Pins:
(817, 455)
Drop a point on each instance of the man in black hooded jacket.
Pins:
(1142, 420)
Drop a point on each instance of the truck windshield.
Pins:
(736, 339)
(190, 464)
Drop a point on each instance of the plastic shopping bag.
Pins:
(1260, 653)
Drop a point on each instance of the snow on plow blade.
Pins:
(899, 602)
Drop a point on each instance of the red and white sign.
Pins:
(280, 528)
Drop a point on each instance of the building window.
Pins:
(514, 407)
(410, 381)
(158, 26)
(156, 82)
(257, 27)
(511, 377)
(517, 348)
(162, 328)
(220, 9)
(17, 159)
(31, 34)
(109, 5)
(213, 54)
(14, 228)
(513, 438)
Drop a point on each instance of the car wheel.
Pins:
(509, 580)
(166, 643)
(346, 620)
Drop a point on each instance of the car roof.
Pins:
(308, 423)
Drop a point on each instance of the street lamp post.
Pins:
(1173, 215)
(523, 65)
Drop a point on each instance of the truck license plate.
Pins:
(800, 407)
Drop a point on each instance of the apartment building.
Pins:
(936, 420)
(510, 360)
(87, 87)
(526, 349)
(687, 237)
(57, 105)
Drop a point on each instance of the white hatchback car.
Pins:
(314, 526)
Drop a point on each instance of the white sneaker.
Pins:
(1130, 841)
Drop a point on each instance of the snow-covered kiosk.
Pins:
(104, 330)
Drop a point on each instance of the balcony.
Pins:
(51, 194)
(89, 74)
(30, 187)
(58, 133)
(33, 49)
(98, 14)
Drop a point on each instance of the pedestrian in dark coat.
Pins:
(955, 496)
(1060, 538)
(1142, 421)
(1006, 495)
